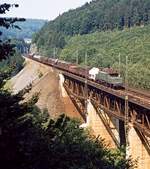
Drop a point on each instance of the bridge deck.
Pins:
(136, 99)
(112, 101)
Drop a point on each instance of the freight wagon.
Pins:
(106, 76)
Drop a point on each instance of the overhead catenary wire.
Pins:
(86, 87)
(126, 104)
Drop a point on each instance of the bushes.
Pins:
(30, 139)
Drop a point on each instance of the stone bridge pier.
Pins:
(96, 123)
(137, 148)
(114, 135)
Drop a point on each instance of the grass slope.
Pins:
(104, 48)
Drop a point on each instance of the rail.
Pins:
(138, 98)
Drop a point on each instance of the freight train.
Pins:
(105, 76)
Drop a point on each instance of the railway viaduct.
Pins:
(121, 118)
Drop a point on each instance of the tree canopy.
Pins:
(30, 139)
(98, 15)
(6, 48)
(105, 48)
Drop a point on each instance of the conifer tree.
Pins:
(7, 49)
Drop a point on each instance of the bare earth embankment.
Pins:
(46, 81)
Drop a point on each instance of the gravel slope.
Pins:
(51, 92)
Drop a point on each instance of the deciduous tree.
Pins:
(6, 48)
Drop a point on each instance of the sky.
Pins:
(42, 9)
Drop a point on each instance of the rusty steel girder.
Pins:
(111, 104)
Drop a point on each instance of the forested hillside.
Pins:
(98, 15)
(28, 27)
(104, 29)
(104, 48)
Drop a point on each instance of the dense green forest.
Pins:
(27, 29)
(105, 48)
(98, 15)
(30, 139)
(105, 29)
(12, 64)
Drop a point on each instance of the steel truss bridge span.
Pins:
(109, 100)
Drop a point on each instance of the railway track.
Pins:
(140, 93)
(138, 97)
